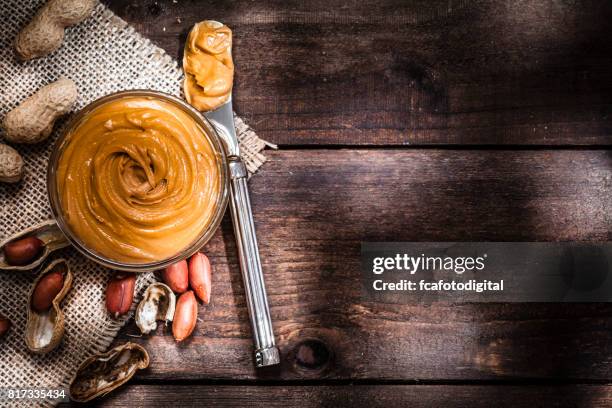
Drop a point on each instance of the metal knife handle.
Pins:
(266, 352)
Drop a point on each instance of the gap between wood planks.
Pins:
(506, 147)
(357, 382)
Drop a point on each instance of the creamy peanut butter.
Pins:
(208, 65)
(138, 180)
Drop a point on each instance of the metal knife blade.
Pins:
(222, 119)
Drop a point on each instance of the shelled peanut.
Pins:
(200, 276)
(5, 325)
(177, 276)
(120, 293)
(23, 251)
(195, 275)
(46, 290)
(185, 316)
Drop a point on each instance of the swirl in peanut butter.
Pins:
(208, 65)
(138, 180)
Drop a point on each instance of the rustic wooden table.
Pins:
(409, 121)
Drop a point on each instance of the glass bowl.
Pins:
(208, 131)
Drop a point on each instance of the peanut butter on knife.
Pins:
(208, 65)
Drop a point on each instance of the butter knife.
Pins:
(266, 352)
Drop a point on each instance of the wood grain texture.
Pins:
(420, 72)
(313, 207)
(396, 73)
(382, 396)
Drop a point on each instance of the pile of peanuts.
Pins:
(187, 279)
(32, 121)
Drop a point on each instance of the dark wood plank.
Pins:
(313, 207)
(387, 396)
(419, 72)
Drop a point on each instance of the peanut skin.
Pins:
(11, 164)
(22, 251)
(45, 33)
(46, 290)
(32, 121)
(176, 276)
(5, 325)
(185, 316)
(120, 293)
(200, 276)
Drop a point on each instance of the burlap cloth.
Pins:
(102, 55)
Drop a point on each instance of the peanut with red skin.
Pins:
(46, 290)
(5, 325)
(200, 276)
(23, 251)
(120, 293)
(176, 276)
(185, 316)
